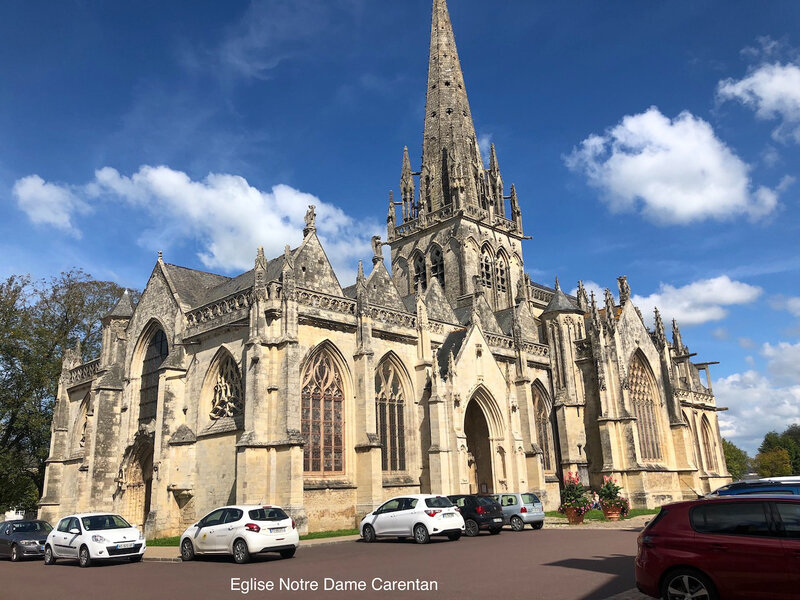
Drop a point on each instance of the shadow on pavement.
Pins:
(618, 565)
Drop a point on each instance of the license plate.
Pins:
(278, 530)
(125, 545)
(448, 515)
(41, 548)
(497, 520)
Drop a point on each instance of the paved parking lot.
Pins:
(557, 564)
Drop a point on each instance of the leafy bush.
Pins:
(610, 498)
(574, 495)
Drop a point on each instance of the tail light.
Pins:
(293, 524)
(480, 510)
(458, 510)
(432, 513)
(649, 540)
(252, 527)
(523, 509)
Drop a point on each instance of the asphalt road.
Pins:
(550, 564)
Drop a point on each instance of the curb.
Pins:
(176, 559)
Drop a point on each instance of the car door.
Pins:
(404, 518)
(740, 549)
(72, 539)
(510, 506)
(207, 526)
(5, 539)
(789, 515)
(383, 517)
(222, 538)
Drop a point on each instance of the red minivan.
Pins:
(721, 548)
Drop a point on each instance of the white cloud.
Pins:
(773, 92)
(746, 342)
(698, 302)
(599, 292)
(783, 361)
(790, 304)
(227, 216)
(720, 333)
(675, 171)
(756, 405)
(485, 145)
(48, 203)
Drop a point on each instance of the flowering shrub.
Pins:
(610, 498)
(574, 495)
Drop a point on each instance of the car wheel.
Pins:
(289, 553)
(471, 528)
(687, 583)
(453, 537)
(538, 525)
(517, 524)
(496, 530)
(187, 550)
(49, 557)
(14, 553)
(137, 558)
(241, 553)
(368, 534)
(421, 534)
(84, 558)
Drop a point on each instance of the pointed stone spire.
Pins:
(260, 268)
(451, 365)
(516, 211)
(611, 310)
(659, 325)
(361, 280)
(560, 302)
(583, 299)
(407, 188)
(558, 285)
(390, 217)
(595, 313)
(493, 164)
(677, 340)
(495, 183)
(450, 147)
(123, 309)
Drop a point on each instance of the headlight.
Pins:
(99, 539)
(29, 542)
(141, 535)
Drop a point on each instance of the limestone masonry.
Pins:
(453, 373)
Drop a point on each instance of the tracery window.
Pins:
(389, 408)
(228, 397)
(543, 435)
(156, 353)
(486, 268)
(420, 276)
(322, 418)
(644, 399)
(502, 275)
(708, 446)
(437, 265)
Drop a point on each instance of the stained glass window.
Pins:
(228, 397)
(437, 265)
(644, 399)
(155, 354)
(322, 418)
(542, 416)
(389, 408)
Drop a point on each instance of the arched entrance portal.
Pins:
(137, 484)
(479, 448)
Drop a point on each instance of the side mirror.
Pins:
(75, 531)
(196, 524)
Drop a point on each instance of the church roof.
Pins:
(560, 303)
(192, 285)
(436, 303)
(381, 290)
(123, 308)
(452, 344)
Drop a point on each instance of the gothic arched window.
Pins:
(420, 276)
(486, 268)
(228, 398)
(156, 353)
(437, 265)
(644, 398)
(322, 418)
(390, 411)
(501, 274)
(543, 436)
(708, 446)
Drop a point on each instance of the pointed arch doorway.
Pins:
(479, 450)
(137, 482)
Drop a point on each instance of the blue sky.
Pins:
(652, 139)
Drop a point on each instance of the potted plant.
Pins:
(575, 502)
(612, 504)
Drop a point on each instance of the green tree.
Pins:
(737, 460)
(38, 321)
(789, 440)
(773, 463)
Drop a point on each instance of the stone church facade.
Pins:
(451, 372)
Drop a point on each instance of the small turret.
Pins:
(660, 336)
(496, 183)
(677, 341)
(407, 188)
(583, 299)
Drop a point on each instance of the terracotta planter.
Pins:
(612, 513)
(573, 516)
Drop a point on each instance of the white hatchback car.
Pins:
(94, 536)
(417, 515)
(241, 531)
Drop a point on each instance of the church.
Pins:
(444, 369)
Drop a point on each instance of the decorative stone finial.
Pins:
(624, 290)
(377, 249)
(311, 220)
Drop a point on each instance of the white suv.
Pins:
(94, 536)
(241, 531)
(417, 515)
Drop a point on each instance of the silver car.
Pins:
(521, 509)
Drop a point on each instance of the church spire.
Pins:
(452, 168)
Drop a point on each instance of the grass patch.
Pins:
(318, 535)
(165, 541)
(597, 515)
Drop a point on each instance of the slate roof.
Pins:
(560, 303)
(438, 306)
(192, 285)
(452, 343)
(123, 308)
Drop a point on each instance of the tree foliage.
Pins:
(38, 322)
(773, 463)
(737, 460)
(789, 440)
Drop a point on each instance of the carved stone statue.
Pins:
(377, 248)
(311, 220)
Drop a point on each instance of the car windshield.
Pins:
(31, 527)
(438, 502)
(486, 501)
(101, 522)
(267, 514)
(529, 499)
